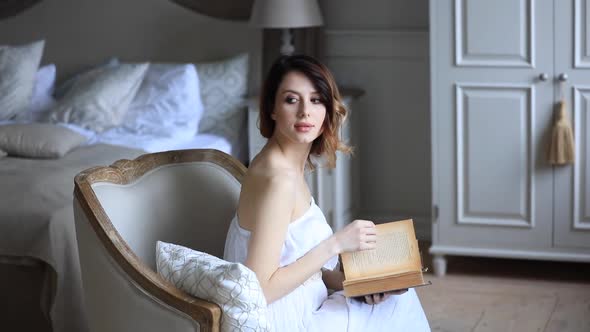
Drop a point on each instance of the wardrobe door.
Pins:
(572, 182)
(492, 93)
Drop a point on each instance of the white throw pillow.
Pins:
(167, 104)
(18, 65)
(224, 85)
(42, 99)
(38, 140)
(63, 87)
(99, 99)
(232, 286)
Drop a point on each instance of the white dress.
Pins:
(308, 307)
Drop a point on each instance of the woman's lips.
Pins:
(303, 127)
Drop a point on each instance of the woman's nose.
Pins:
(304, 110)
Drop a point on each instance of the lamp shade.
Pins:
(286, 13)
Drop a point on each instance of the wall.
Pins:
(79, 33)
(382, 47)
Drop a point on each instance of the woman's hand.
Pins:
(358, 235)
(333, 279)
(381, 297)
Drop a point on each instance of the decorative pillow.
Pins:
(62, 89)
(42, 99)
(167, 104)
(38, 140)
(232, 286)
(99, 99)
(224, 85)
(18, 65)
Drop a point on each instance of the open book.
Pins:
(394, 264)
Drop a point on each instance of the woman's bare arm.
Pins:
(268, 208)
(270, 212)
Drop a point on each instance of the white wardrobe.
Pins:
(497, 69)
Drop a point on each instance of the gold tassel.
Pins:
(561, 146)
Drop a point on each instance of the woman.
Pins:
(281, 234)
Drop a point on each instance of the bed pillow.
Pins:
(99, 99)
(42, 99)
(62, 89)
(3, 153)
(167, 104)
(38, 140)
(18, 65)
(232, 286)
(224, 85)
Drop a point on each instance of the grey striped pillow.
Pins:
(18, 66)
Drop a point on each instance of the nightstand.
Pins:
(336, 191)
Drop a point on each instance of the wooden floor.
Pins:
(486, 294)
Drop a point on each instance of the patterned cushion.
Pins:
(100, 98)
(232, 286)
(18, 65)
(224, 85)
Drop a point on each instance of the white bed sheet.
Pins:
(149, 143)
(157, 144)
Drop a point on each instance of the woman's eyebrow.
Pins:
(290, 91)
(296, 92)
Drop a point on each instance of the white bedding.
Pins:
(156, 144)
(149, 143)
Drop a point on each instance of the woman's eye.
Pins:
(316, 100)
(291, 100)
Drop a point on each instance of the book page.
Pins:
(396, 252)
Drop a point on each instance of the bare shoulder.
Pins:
(267, 188)
(270, 173)
(273, 178)
(260, 182)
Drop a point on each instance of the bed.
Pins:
(39, 268)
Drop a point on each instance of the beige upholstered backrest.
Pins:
(185, 197)
(190, 204)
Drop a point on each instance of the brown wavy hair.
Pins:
(320, 76)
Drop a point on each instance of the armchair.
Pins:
(185, 197)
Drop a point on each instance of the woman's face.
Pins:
(298, 111)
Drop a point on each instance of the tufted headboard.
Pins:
(79, 33)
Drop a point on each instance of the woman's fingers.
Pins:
(398, 292)
(382, 297)
(370, 238)
(374, 298)
(366, 227)
(377, 298)
(367, 245)
(358, 235)
(368, 235)
(365, 222)
(371, 232)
